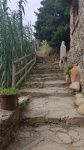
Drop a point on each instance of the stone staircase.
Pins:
(51, 99)
(50, 121)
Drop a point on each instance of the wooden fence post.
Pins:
(26, 67)
(29, 61)
(13, 75)
(35, 51)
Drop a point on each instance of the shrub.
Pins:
(9, 91)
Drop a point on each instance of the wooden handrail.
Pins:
(20, 59)
(21, 70)
(27, 67)
(24, 76)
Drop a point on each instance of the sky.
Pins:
(31, 6)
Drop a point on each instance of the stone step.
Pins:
(48, 71)
(42, 79)
(48, 137)
(40, 94)
(42, 120)
(50, 68)
(45, 67)
(56, 110)
(40, 84)
(44, 75)
(47, 91)
(53, 74)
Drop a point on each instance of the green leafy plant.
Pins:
(68, 71)
(24, 105)
(9, 91)
(82, 93)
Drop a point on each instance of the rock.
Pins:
(51, 136)
(81, 109)
(78, 144)
(82, 80)
(68, 79)
(65, 138)
(79, 96)
(75, 75)
(74, 134)
(75, 86)
(79, 69)
(47, 145)
(79, 101)
(82, 86)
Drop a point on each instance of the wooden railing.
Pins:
(28, 61)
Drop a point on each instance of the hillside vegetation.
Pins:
(44, 50)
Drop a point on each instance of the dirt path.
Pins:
(51, 119)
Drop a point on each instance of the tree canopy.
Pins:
(53, 23)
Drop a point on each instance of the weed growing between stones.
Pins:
(24, 105)
(65, 126)
(82, 93)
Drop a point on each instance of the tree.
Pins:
(52, 23)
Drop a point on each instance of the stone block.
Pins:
(82, 86)
(81, 109)
(75, 75)
(75, 86)
(9, 122)
(79, 101)
(78, 96)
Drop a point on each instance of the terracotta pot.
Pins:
(9, 102)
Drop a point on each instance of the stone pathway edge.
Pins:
(9, 121)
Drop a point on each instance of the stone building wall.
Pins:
(76, 53)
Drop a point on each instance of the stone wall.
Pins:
(9, 122)
(76, 53)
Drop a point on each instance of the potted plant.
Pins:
(68, 72)
(9, 98)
